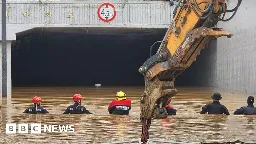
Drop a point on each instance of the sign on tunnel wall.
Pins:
(26, 15)
(106, 12)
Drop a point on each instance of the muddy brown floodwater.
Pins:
(100, 127)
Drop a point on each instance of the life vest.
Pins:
(120, 105)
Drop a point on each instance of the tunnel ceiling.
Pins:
(83, 56)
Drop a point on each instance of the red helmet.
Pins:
(77, 97)
(36, 99)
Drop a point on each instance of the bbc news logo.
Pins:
(37, 128)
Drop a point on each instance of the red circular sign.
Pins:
(106, 12)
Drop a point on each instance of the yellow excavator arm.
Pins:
(192, 27)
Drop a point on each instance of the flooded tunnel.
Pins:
(86, 56)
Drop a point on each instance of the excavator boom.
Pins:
(192, 27)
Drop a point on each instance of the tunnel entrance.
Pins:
(83, 56)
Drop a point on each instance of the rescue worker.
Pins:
(121, 105)
(215, 107)
(170, 110)
(249, 110)
(36, 108)
(77, 108)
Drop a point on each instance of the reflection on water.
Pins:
(188, 125)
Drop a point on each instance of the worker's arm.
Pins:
(111, 107)
(42, 110)
(225, 110)
(26, 111)
(85, 111)
(67, 111)
(204, 109)
(239, 111)
(45, 111)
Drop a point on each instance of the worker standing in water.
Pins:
(170, 110)
(215, 107)
(77, 108)
(36, 108)
(121, 105)
(249, 110)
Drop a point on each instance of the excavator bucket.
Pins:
(159, 79)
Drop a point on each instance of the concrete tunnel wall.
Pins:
(201, 71)
(230, 64)
(235, 63)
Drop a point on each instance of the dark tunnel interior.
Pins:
(84, 57)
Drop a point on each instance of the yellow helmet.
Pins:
(120, 95)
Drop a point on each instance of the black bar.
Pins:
(4, 51)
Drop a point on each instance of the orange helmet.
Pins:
(77, 97)
(36, 99)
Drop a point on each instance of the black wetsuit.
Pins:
(171, 111)
(120, 110)
(120, 107)
(76, 108)
(36, 109)
(214, 108)
(249, 110)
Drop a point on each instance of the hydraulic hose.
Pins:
(202, 17)
(206, 10)
(234, 10)
(238, 4)
(151, 48)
